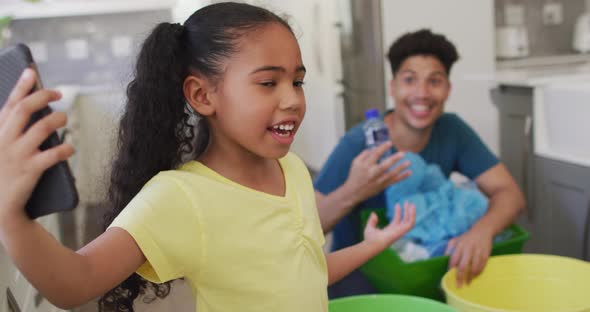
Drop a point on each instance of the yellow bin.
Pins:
(524, 282)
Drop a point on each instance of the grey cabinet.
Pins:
(562, 193)
(515, 106)
(557, 193)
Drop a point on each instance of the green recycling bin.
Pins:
(388, 273)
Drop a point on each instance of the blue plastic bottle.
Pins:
(375, 130)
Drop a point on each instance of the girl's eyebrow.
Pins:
(277, 68)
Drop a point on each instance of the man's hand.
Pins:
(368, 176)
(469, 254)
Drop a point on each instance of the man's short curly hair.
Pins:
(422, 42)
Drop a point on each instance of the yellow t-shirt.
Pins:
(240, 249)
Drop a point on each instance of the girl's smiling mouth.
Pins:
(283, 132)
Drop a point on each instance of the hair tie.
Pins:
(178, 28)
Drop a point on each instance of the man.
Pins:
(353, 179)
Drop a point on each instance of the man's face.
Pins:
(420, 88)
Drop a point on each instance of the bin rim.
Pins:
(403, 296)
(456, 298)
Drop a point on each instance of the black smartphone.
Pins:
(56, 190)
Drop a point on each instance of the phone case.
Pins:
(56, 190)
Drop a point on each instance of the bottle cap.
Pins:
(371, 113)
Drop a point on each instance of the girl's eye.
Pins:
(298, 83)
(268, 84)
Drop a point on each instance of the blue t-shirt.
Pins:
(453, 145)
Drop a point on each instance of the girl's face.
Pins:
(420, 89)
(259, 102)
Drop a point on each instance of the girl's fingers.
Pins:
(23, 86)
(45, 159)
(372, 222)
(396, 216)
(409, 215)
(41, 130)
(21, 113)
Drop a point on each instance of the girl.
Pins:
(238, 220)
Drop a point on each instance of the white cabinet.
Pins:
(26, 10)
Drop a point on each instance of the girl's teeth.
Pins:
(284, 127)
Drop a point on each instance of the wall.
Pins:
(469, 25)
(314, 25)
(102, 65)
(362, 54)
(545, 40)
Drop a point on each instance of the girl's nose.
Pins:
(293, 100)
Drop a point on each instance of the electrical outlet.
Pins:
(77, 49)
(121, 46)
(514, 14)
(552, 13)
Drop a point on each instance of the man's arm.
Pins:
(506, 199)
(366, 178)
(471, 250)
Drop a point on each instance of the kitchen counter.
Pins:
(542, 75)
(535, 71)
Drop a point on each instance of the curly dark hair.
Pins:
(422, 42)
(156, 131)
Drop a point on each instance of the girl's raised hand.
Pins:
(21, 161)
(394, 230)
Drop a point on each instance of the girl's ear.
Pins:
(197, 92)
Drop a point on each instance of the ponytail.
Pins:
(154, 133)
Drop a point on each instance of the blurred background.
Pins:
(522, 82)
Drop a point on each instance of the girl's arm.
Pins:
(67, 278)
(64, 277)
(344, 261)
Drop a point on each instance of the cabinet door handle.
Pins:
(38, 299)
(526, 152)
(12, 304)
(586, 239)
